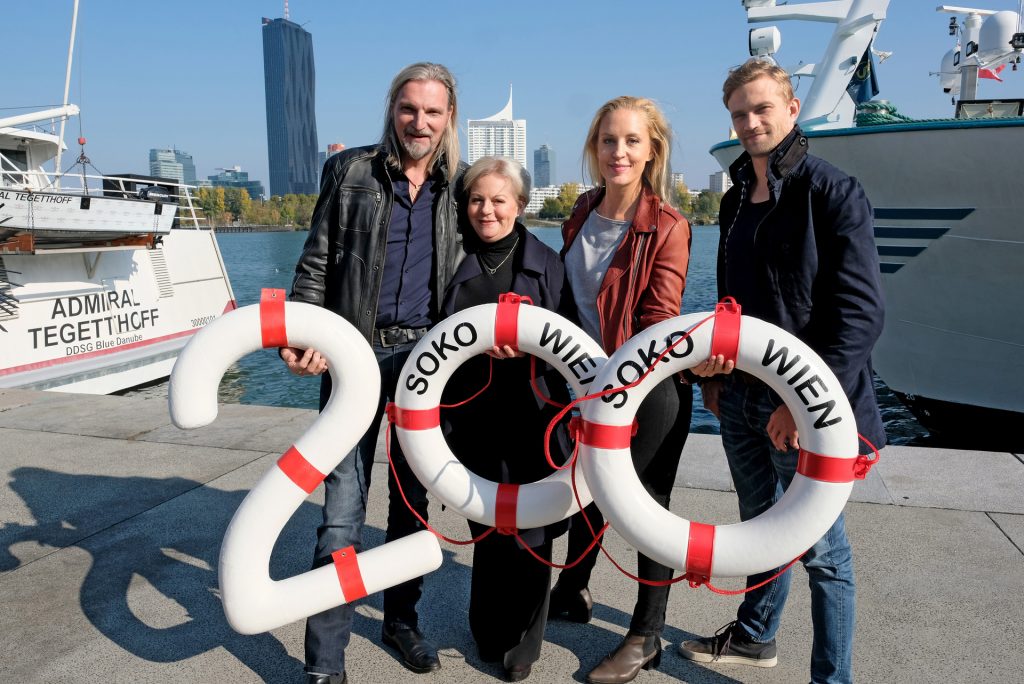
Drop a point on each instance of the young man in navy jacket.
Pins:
(797, 250)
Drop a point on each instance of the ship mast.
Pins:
(827, 104)
(67, 88)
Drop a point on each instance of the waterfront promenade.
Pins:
(111, 521)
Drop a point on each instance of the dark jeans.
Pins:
(761, 474)
(664, 423)
(344, 512)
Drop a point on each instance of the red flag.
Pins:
(992, 73)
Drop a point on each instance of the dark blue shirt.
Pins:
(405, 287)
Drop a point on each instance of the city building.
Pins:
(322, 156)
(719, 181)
(678, 178)
(538, 195)
(172, 163)
(235, 177)
(544, 166)
(289, 81)
(497, 135)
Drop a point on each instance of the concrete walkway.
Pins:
(111, 521)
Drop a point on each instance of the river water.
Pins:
(260, 260)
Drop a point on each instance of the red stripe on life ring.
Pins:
(725, 339)
(505, 503)
(413, 419)
(272, 318)
(699, 550)
(506, 320)
(346, 564)
(605, 436)
(299, 470)
(827, 468)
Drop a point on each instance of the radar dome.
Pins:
(994, 38)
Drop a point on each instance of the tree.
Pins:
(705, 207)
(551, 209)
(681, 199)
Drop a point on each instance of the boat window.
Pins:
(12, 161)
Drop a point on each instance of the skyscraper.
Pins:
(172, 163)
(543, 166)
(499, 135)
(289, 76)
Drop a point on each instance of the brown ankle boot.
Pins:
(636, 652)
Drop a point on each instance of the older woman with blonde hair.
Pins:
(499, 435)
(626, 253)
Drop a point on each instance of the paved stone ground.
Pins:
(111, 521)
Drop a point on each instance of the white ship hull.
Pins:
(101, 321)
(950, 233)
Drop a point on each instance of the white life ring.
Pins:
(416, 414)
(828, 438)
(253, 602)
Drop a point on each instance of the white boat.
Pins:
(949, 212)
(103, 279)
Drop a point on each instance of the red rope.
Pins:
(533, 384)
(737, 592)
(398, 482)
(490, 375)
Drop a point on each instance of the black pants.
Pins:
(508, 601)
(664, 423)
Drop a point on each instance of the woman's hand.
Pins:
(505, 352)
(303, 362)
(715, 365)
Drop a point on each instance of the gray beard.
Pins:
(416, 151)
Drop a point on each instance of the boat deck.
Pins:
(113, 520)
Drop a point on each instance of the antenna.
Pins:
(286, 10)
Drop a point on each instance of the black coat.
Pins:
(499, 435)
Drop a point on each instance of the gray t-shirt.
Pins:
(586, 263)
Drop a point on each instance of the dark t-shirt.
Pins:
(740, 260)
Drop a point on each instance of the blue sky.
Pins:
(190, 73)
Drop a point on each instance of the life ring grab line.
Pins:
(739, 549)
(253, 602)
(545, 334)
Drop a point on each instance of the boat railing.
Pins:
(13, 177)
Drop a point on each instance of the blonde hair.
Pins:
(448, 145)
(750, 71)
(657, 171)
(505, 167)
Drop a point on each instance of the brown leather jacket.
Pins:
(645, 280)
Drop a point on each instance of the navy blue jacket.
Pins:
(817, 271)
(540, 276)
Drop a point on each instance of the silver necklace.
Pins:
(494, 270)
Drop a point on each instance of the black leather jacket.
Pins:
(342, 262)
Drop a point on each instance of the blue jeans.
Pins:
(344, 512)
(761, 474)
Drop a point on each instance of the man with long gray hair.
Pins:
(383, 243)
